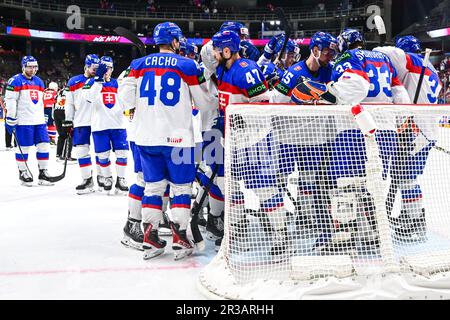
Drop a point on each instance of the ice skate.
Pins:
(164, 226)
(181, 245)
(107, 184)
(214, 227)
(25, 178)
(44, 178)
(121, 186)
(133, 237)
(87, 186)
(153, 246)
(408, 229)
(100, 182)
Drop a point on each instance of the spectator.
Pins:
(206, 12)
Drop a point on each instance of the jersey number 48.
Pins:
(169, 94)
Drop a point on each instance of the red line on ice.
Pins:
(191, 265)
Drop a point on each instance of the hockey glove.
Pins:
(10, 124)
(311, 91)
(249, 51)
(271, 46)
(270, 72)
(219, 124)
(100, 73)
(207, 55)
(68, 127)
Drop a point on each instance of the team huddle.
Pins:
(179, 97)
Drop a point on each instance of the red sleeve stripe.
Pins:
(396, 82)
(226, 87)
(411, 67)
(76, 86)
(190, 80)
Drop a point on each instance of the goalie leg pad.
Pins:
(352, 211)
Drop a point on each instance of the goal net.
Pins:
(315, 209)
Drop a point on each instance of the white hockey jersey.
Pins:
(366, 76)
(107, 111)
(409, 66)
(162, 87)
(23, 100)
(77, 109)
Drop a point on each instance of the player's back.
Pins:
(164, 105)
(409, 67)
(375, 67)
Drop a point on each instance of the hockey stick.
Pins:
(23, 156)
(196, 234)
(123, 32)
(379, 24)
(66, 156)
(394, 183)
(279, 12)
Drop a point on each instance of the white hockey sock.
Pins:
(216, 206)
(42, 155)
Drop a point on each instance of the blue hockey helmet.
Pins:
(29, 61)
(108, 61)
(226, 39)
(187, 48)
(291, 47)
(408, 44)
(237, 27)
(165, 32)
(91, 60)
(349, 37)
(323, 40)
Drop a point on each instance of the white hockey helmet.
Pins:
(53, 85)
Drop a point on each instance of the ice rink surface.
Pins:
(56, 244)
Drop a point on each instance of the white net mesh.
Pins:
(314, 208)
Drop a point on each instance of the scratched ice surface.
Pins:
(55, 244)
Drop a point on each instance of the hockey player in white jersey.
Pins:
(162, 87)
(25, 119)
(108, 124)
(78, 119)
(415, 134)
